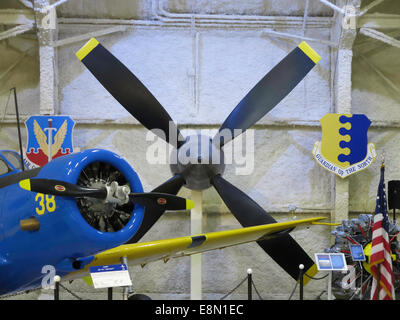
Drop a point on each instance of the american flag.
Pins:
(381, 260)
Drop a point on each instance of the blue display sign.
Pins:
(357, 252)
(109, 268)
(331, 261)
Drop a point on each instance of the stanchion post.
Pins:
(330, 286)
(249, 284)
(127, 289)
(57, 280)
(301, 272)
(110, 293)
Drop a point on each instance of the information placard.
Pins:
(109, 276)
(357, 252)
(330, 261)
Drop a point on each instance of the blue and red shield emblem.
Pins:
(49, 137)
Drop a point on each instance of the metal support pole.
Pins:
(330, 286)
(301, 273)
(249, 284)
(332, 6)
(19, 130)
(127, 289)
(110, 293)
(196, 218)
(57, 280)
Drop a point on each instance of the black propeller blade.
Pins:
(127, 89)
(269, 91)
(283, 249)
(152, 214)
(153, 200)
(61, 188)
(161, 201)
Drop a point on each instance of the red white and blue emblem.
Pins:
(49, 137)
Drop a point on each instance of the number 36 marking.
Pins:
(45, 202)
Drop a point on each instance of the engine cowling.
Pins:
(70, 229)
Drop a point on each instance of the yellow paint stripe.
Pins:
(304, 46)
(88, 280)
(326, 224)
(87, 48)
(189, 204)
(25, 184)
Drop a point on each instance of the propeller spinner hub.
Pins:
(197, 160)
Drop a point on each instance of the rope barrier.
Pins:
(316, 278)
(222, 298)
(259, 296)
(241, 282)
(70, 292)
(234, 289)
(6, 296)
(313, 278)
(293, 291)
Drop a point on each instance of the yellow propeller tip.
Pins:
(87, 48)
(310, 52)
(25, 184)
(189, 204)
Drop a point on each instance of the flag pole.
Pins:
(381, 246)
(378, 275)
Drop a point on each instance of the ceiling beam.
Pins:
(294, 36)
(15, 31)
(89, 35)
(379, 21)
(332, 6)
(16, 16)
(370, 6)
(380, 36)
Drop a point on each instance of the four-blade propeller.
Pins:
(126, 88)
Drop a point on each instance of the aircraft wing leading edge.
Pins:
(145, 252)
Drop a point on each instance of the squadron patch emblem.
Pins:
(49, 137)
(344, 147)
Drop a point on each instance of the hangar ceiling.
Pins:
(139, 9)
(149, 10)
(127, 9)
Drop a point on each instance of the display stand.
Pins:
(57, 280)
(330, 285)
(127, 289)
(301, 272)
(249, 284)
(330, 262)
(110, 276)
(196, 218)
